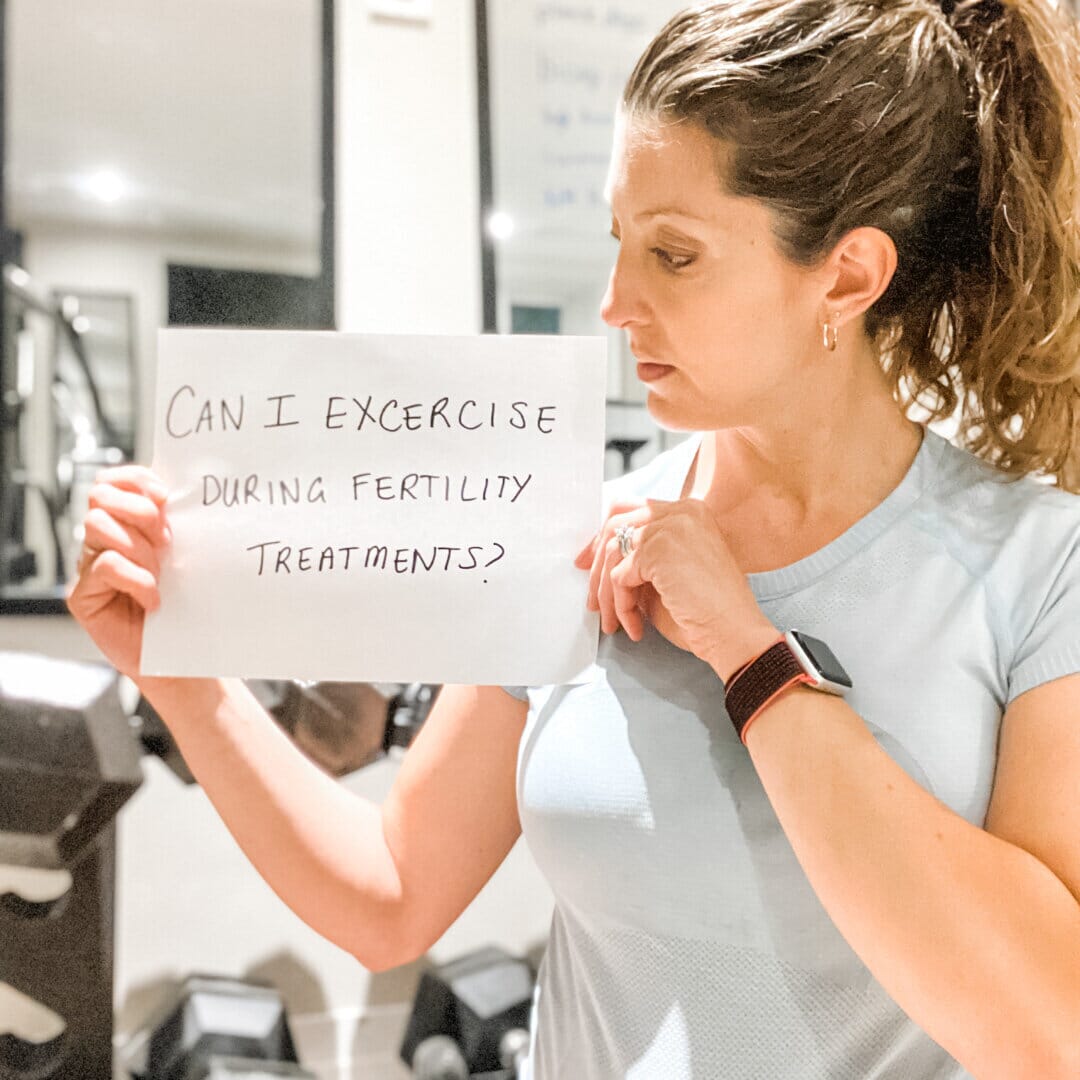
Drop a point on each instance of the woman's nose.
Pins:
(620, 306)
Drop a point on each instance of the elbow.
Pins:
(389, 947)
(376, 965)
(376, 960)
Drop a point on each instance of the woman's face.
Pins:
(699, 285)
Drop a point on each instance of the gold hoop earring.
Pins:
(829, 336)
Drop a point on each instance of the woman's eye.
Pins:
(672, 261)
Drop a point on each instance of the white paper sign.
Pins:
(377, 508)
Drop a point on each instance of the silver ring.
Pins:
(625, 535)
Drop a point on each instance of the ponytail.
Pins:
(1015, 313)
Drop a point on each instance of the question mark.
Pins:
(502, 552)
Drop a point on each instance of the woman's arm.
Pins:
(382, 882)
(317, 844)
(976, 936)
(354, 873)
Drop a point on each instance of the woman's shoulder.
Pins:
(966, 483)
(1020, 525)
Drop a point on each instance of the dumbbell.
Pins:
(479, 1002)
(439, 1057)
(68, 763)
(212, 1028)
(341, 726)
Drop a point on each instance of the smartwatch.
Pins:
(797, 659)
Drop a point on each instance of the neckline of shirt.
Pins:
(771, 584)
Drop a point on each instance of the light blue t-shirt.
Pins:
(686, 941)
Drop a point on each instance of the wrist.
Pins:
(181, 697)
(795, 658)
(726, 661)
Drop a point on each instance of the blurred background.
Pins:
(401, 166)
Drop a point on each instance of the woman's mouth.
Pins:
(652, 372)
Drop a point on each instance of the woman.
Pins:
(825, 211)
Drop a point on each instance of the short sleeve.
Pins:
(519, 692)
(1051, 647)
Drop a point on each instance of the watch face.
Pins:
(823, 658)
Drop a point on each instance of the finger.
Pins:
(627, 575)
(637, 516)
(111, 569)
(136, 478)
(132, 508)
(627, 506)
(592, 600)
(627, 599)
(626, 605)
(584, 557)
(102, 531)
(609, 619)
(634, 511)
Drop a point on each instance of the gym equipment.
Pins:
(232, 1068)
(481, 1002)
(341, 726)
(627, 448)
(438, 1057)
(68, 763)
(88, 435)
(215, 1028)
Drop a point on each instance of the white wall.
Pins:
(408, 199)
(408, 260)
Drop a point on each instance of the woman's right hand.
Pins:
(117, 577)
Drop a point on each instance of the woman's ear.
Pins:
(861, 266)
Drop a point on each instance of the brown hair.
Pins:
(954, 128)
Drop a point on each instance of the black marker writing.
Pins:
(276, 557)
(417, 486)
(358, 414)
(178, 422)
(278, 422)
(233, 491)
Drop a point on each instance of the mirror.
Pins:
(163, 164)
(550, 77)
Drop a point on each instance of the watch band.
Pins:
(756, 683)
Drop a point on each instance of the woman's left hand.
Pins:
(681, 576)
